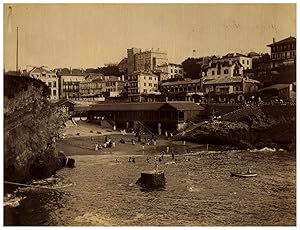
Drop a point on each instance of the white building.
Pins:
(224, 70)
(48, 77)
(142, 83)
(169, 71)
(245, 61)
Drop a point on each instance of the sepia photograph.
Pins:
(149, 115)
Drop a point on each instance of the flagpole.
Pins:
(17, 56)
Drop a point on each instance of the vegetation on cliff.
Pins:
(250, 127)
(30, 127)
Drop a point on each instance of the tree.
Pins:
(192, 68)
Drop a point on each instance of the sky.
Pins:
(90, 35)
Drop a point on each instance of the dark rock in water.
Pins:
(71, 163)
(260, 145)
(152, 179)
(246, 145)
(63, 159)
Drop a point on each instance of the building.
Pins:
(254, 56)
(170, 71)
(190, 86)
(130, 63)
(65, 106)
(97, 85)
(147, 61)
(48, 77)
(285, 92)
(229, 90)
(283, 52)
(244, 60)
(114, 86)
(156, 117)
(224, 69)
(69, 80)
(93, 86)
(142, 83)
(142, 61)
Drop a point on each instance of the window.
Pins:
(247, 62)
(150, 78)
(54, 92)
(213, 72)
(243, 61)
(175, 70)
(225, 71)
(218, 71)
(171, 70)
(54, 84)
(50, 84)
(145, 91)
(150, 84)
(180, 71)
(145, 84)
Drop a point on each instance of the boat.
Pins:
(243, 174)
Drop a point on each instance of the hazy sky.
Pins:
(89, 35)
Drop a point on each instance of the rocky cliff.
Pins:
(249, 127)
(30, 128)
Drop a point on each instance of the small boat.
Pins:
(243, 174)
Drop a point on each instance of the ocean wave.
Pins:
(12, 201)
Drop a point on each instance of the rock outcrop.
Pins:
(248, 128)
(30, 128)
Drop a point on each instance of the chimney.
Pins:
(273, 40)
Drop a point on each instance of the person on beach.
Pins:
(173, 156)
(133, 160)
(129, 160)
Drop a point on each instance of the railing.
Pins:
(149, 130)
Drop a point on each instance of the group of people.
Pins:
(107, 144)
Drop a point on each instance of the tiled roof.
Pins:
(68, 72)
(213, 81)
(253, 54)
(40, 70)
(192, 81)
(62, 101)
(284, 41)
(146, 106)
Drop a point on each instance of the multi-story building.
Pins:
(48, 77)
(96, 85)
(283, 52)
(114, 85)
(69, 80)
(142, 83)
(229, 90)
(147, 61)
(244, 60)
(224, 69)
(142, 61)
(190, 86)
(169, 71)
(92, 86)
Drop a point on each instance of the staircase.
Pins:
(238, 114)
(138, 125)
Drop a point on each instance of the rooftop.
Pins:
(191, 81)
(224, 80)
(146, 106)
(283, 41)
